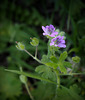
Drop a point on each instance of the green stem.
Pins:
(25, 83)
(33, 56)
(58, 82)
(68, 22)
(29, 91)
(53, 51)
(49, 48)
(29, 53)
(58, 79)
(36, 52)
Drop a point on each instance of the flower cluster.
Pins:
(57, 39)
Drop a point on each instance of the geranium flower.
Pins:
(49, 31)
(58, 42)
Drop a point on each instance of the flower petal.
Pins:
(44, 29)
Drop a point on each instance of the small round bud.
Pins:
(35, 41)
(76, 59)
(20, 46)
(23, 79)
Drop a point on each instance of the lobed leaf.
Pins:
(62, 68)
(53, 65)
(67, 64)
(63, 56)
(54, 59)
(46, 72)
(45, 59)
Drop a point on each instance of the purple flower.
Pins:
(49, 30)
(58, 42)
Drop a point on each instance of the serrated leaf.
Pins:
(44, 91)
(75, 88)
(62, 68)
(45, 59)
(54, 59)
(67, 94)
(53, 65)
(46, 72)
(63, 56)
(67, 64)
(76, 59)
(40, 68)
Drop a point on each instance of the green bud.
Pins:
(62, 33)
(76, 59)
(35, 42)
(20, 46)
(23, 79)
(57, 30)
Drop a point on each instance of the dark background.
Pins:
(22, 19)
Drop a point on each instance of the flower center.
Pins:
(50, 30)
(57, 41)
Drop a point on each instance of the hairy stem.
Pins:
(29, 91)
(36, 52)
(58, 81)
(33, 56)
(49, 53)
(28, 53)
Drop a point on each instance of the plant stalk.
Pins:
(29, 91)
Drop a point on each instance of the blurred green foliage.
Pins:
(22, 19)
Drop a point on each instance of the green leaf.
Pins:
(40, 69)
(62, 68)
(46, 72)
(10, 84)
(31, 75)
(35, 42)
(64, 93)
(75, 88)
(44, 91)
(63, 56)
(76, 59)
(74, 50)
(67, 64)
(54, 59)
(53, 65)
(45, 59)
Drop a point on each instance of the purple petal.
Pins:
(52, 43)
(62, 45)
(54, 34)
(63, 41)
(56, 45)
(53, 40)
(44, 29)
(62, 37)
(44, 33)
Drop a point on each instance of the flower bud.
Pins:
(35, 42)
(20, 46)
(76, 59)
(23, 79)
